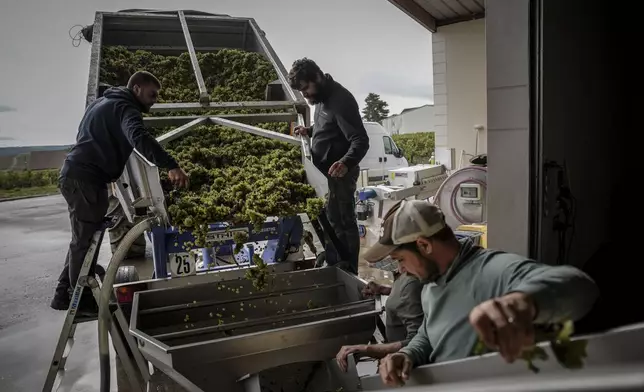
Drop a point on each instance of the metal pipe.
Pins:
(95, 60)
(104, 315)
(246, 118)
(204, 98)
(239, 105)
(178, 132)
(256, 131)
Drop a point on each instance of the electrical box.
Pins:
(415, 175)
(470, 192)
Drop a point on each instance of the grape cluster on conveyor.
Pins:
(234, 176)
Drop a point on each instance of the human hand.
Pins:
(345, 351)
(506, 324)
(338, 169)
(394, 369)
(371, 289)
(302, 131)
(178, 178)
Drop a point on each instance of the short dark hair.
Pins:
(303, 70)
(142, 78)
(446, 235)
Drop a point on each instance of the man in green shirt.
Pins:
(403, 317)
(471, 292)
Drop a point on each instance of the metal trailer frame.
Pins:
(173, 32)
(169, 32)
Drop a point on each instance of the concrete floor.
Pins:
(34, 235)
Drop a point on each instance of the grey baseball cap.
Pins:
(405, 222)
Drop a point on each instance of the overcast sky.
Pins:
(367, 45)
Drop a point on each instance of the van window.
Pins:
(389, 145)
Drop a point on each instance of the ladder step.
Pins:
(84, 319)
(73, 317)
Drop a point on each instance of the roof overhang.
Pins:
(433, 14)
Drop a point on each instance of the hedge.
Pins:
(28, 178)
(417, 147)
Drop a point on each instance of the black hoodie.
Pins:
(338, 131)
(111, 127)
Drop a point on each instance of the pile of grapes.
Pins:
(234, 176)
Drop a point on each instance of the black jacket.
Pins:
(111, 127)
(338, 132)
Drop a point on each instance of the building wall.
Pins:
(564, 113)
(460, 89)
(411, 121)
(508, 89)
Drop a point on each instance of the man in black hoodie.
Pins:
(111, 127)
(339, 142)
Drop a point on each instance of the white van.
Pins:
(383, 154)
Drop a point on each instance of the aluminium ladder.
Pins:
(66, 340)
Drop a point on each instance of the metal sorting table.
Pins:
(208, 336)
(615, 362)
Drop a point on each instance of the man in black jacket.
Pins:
(339, 142)
(111, 127)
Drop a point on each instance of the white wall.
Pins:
(411, 121)
(508, 79)
(460, 89)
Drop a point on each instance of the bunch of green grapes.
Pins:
(229, 74)
(235, 177)
(258, 274)
(239, 178)
(569, 353)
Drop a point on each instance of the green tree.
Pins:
(375, 108)
(417, 147)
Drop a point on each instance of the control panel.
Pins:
(470, 192)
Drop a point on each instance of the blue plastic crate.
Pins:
(276, 238)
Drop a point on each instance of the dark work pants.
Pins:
(87, 204)
(341, 213)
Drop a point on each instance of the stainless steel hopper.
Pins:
(207, 336)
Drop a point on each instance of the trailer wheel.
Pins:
(126, 274)
(120, 229)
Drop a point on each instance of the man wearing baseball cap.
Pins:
(471, 292)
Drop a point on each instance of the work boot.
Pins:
(61, 300)
(63, 297)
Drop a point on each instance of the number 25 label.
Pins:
(182, 264)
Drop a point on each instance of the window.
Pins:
(389, 145)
